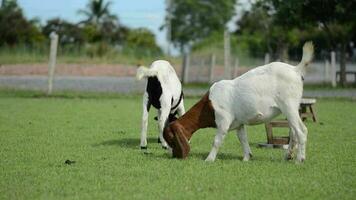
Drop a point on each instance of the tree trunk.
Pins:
(283, 52)
(343, 65)
(285, 56)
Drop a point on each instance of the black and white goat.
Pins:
(164, 92)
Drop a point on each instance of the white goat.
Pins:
(255, 97)
(164, 92)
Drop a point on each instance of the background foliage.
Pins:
(99, 34)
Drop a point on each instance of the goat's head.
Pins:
(174, 134)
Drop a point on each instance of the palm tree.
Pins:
(98, 13)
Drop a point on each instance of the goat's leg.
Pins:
(241, 134)
(299, 130)
(145, 108)
(302, 140)
(163, 114)
(223, 126)
(292, 144)
(218, 140)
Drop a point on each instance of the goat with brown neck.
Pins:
(179, 132)
(253, 98)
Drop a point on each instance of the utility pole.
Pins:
(169, 26)
(227, 70)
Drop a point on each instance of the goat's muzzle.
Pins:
(174, 136)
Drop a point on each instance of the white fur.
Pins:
(171, 88)
(257, 97)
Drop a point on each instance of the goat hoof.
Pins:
(245, 159)
(158, 140)
(288, 157)
(300, 160)
(143, 148)
(163, 147)
(209, 159)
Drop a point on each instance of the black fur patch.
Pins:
(171, 117)
(154, 91)
(180, 99)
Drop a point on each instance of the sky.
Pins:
(132, 13)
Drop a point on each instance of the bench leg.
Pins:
(302, 112)
(269, 132)
(313, 113)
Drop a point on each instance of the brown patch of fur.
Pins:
(177, 134)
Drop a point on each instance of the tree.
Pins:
(100, 24)
(254, 28)
(335, 17)
(268, 23)
(338, 19)
(98, 13)
(142, 41)
(15, 28)
(68, 32)
(193, 20)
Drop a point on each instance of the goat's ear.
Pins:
(181, 146)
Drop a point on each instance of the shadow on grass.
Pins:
(131, 143)
(220, 156)
(197, 156)
(134, 143)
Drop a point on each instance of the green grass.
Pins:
(37, 135)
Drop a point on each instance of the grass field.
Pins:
(38, 134)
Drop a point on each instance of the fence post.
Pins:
(236, 67)
(186, 63)
(333, 69)
(267, 58)
(327, 71)
(52, 61)
(227, 70)
(212, 66)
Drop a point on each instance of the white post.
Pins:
(52, 61)
(333, 69)
(212, 66)
(169, 26)
(327, 71)
(267, 58)
(236, 67)
(227, 70)
(200, 71)
(186, 63)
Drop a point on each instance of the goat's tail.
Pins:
(143, 72)
(308, 53)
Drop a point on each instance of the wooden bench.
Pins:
(347, 72)
(272, 141)
(269, 130)
(305, 105)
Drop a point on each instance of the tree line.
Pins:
(99, 31)
(279, 27)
